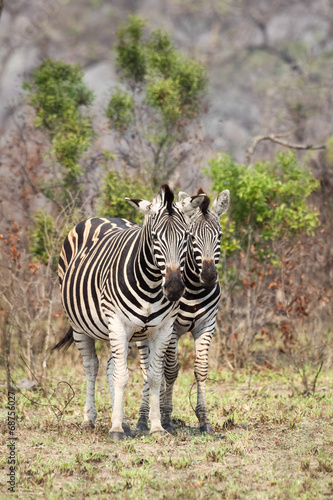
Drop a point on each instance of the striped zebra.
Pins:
(197, 313)
(120, 282)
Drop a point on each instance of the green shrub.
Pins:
(117, 186)
(57, 92)
(165, 89)
(268, 200)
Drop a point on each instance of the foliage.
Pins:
(130, 52)
(57, 93)
(120, 109)
(47, 235)
(164, 92)
(268, 210)
(117, 186)
(175, 82)
(55, 88)
(269, 199)
(42, 236)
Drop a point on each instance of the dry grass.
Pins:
(267, 444)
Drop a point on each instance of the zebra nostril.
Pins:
(174, 293)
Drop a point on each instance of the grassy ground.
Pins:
(267, 444)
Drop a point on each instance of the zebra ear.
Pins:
(221, 203)
(189, 204)
(144, 206)
(182, 195)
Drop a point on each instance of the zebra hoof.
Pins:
(158, 432)
(206, 428)
(127, 432)
(169, 427)
(87, 426)
(142, 426)
(117, 436)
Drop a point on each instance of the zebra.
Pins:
(197, 312)
(120, 282)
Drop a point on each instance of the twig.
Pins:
(190, 394)
(60, 411)
(302, 373)
(231, 368)
(278, 140)
(195, 383)
(316, 377)
(30, 370)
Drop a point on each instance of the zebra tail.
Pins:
(66, 341)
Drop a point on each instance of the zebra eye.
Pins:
(193, 237)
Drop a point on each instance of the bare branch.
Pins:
(278, 140)
(316, 377)
(281, 54)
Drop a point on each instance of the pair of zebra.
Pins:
(148, 284)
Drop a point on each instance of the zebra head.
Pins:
(205, 237)
(167, 235)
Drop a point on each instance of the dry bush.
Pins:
(291, 309)
(27, 304)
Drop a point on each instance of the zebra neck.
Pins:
(191, 270)
(143, 261)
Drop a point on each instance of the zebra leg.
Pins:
(109, 376)
(119, 349)
(158, 345)
(202, 343)
(86, 346)
(171, 370)
(142, 424)
(162, 397)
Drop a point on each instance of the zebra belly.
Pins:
(91, 322)
(149, 313)
(150, 319)
(138, 330)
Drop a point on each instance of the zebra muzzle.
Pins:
(208, 276)
(173, 287)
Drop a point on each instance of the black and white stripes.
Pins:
(122, 282)
(197, 312)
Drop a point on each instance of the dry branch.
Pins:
(278, 140)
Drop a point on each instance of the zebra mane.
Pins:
(167, 197)
(205, 204)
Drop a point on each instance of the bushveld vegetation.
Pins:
(270, 387)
